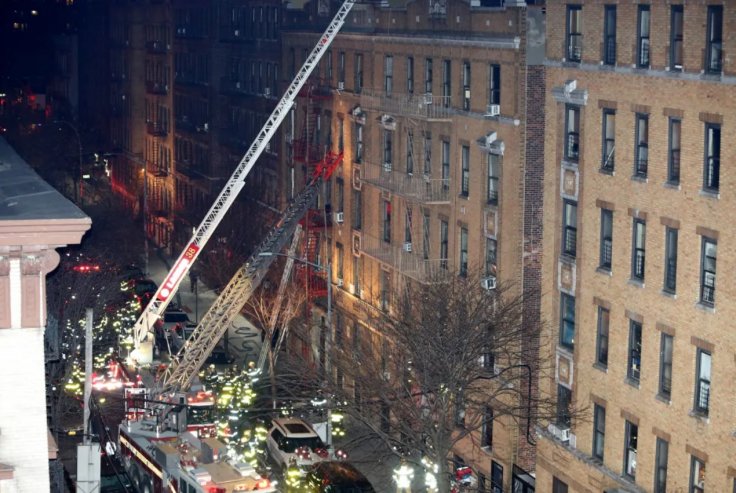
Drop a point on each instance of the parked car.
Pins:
(337, 477)
(294, 438)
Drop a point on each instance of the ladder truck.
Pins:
(160, 448)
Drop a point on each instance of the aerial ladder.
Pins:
(142, 338)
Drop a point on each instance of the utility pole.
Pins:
(88, 452)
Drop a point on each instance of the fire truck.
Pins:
(167, 440)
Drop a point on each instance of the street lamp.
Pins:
(78, 185)
(328, 270)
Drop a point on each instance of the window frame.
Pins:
(466, 74)
(388, 74)
(410, 152)
(633, 365)
(428, 69)
(666, 359)
(697, 466)
(702, 394)
(574, 34)
(444, 243)
(569, 228)
(486, 432)
(606, 240)
(463, 250)
(446, 82)
(671, 238)
(661, 457)
(609, 34)
(464, 171)
(708, 274)
(564, 400)
(491, 257)
(641, 146)
(357, 210)
(358, 73)
(599, 432)
(643, 36)
(493, 178)
(602, 336)
(714, 40)
(410, 75)
(638, 250)
(494, 83)
(567, 321)
(631, 446)
(572, 133)
(677, 37)
(674, 145)
(608, 137)
(387, 221)
(712, 159)
(445, 164)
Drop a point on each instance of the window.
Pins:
(428, 75)
(427, 155)
(486, 433)
(665, 366)
(387, 221)
(708, 272)
(408, 225)
(341, 68)
(494, 84)
(713, 42)
(564, 399)
(356, 276)
(466, 86)
(340, 185)
(328, 62)
(697, 475)
(631, 439)
(574, 33)
(340, 261)
(425, 239)
(388, 139)
(569, 228)
(572, 133)
(493, 178)
(443, 244)
(464, 252)
(606, 253)
(358, 73)
(638, 251)
(711, 178)
(673, 158)
(410, 152)
(676, 36)
(496, 477)
(670, 260)
(599, 431)
(660, 466)
(465, 171)
(642, 39)
(445, 165)
(558, 486)
(491, 255)
(567, 320)
(641, 159)
(385, 286)
(702, 382)
(633, 368)
(410, 75)
(601, 342)
(609, 35)
(357, 214)
(446, 82)
(459, 409)
(388, 74)
(358, 157)
(608, 160)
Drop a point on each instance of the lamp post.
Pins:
(78, 185)
(328, 271)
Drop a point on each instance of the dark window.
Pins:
(465, 170)
(446, 165)
(443, 244)
(714, 40)
(494, 84)
(609, 35)
(673, 158)
(385, 286)
(388, 73)
(564, 399)
(409, 152)
(428, 155)
(425, 239)
(387, 221)
(567, 320)
(638, 250)
(466, 86)
(711, 175)
(569, 228)
(558, 486)
(599, 431)
(631, 439)
(428, 75)
(665, 366)
(388, 140)
(602, 337)
(633, 368)
(606, 253)
(496, 477)
(572, 133)
(708, 272)
(463, 252)
(608, 160)
(660, 466)
(493, 178)
(702, 382)
(574, 33)
(641, 160)
(446, 82)
(356, 276)
(697, 475)
(487, 428)
(340, 261)
(341, 68)
(358, 153)
(410, 75)
(676, 36)
(357, 210)
(358, 73)
(670, 260)
(642, 40)
(340, 192)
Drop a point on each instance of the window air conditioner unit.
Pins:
(488, 283)
(407, 246)
(493, 110)
(341, 86)
(562, 434)
(467, 93)
(267, 92)
(339, 282)
(387, 166)
(339, 217)
(428, 98)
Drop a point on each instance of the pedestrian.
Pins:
(192, 280)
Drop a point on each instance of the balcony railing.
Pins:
(407, 263)
(419, 106)
(417, 187)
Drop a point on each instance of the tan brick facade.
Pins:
(629, 385)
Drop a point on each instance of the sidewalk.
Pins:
(243, 339)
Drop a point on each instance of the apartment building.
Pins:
(427, 106)
(639, 109)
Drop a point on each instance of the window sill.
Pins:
(599, 366)
(609, 172)
(567, 163)
(663, 399)
(639, 283)
(464, 196)
(630, 381)
(605, 271)
(699, 415)
(711, 194)
(488, 449)
(716, 76)
(672, 185)
(669, 294)
(704, 307)
(640, 179)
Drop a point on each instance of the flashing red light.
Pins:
(263, 483)
(321, 452)
(84, 268)
(216, 489)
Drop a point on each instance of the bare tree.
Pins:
(423, 376)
